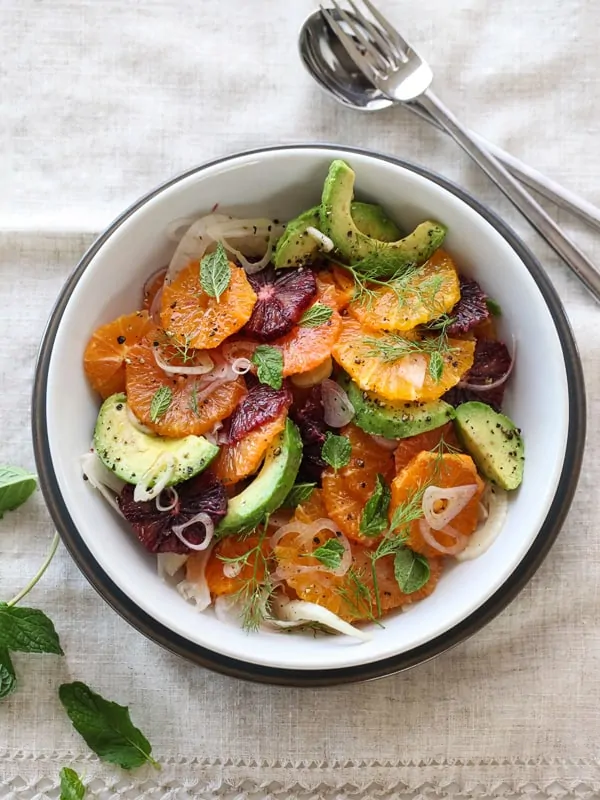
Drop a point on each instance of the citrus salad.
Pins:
(303, 422)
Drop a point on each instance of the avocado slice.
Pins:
(355, 245)
(296, 248)
(395, 419)
(493, 441)
(270, 487)
(129, 453)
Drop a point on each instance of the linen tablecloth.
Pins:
(100, 101)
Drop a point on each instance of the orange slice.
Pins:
(446, 471)
(231, 547)
(337, 285)
(345, 492)
(427, 293)
(352, 596)
(104, 357)
(241, 459)
(190, 411)
(410, 447)
(203, 321)
(356, 351)
(304, 349)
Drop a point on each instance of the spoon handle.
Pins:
(530, 208)
(537, 181)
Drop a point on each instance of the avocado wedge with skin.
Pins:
(354, 245)
(297, 248)
(270, 487)
(129, 453)
(395, 419)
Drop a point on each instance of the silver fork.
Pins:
(397, 70)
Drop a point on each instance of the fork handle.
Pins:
(577, 262)
(536, 180)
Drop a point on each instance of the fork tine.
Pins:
(376, 33)
(363, 64)
(380, 60)
(388, 28)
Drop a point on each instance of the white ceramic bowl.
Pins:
(545, 397)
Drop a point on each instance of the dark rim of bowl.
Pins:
(288, 677)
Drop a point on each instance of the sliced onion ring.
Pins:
(155, 479)
(486, 534)
(307, 532)
(460, 540)
(232, 570)
(336, 404)
(324, 241)
(205, 366)
(455, 498)
(150, 280)
(241, 366)
(209, 528)
(174, 500)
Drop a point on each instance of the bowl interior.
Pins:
(280, 184)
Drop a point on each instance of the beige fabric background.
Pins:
(99, 101)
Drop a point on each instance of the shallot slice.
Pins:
(460, 540)
(160, 506)
(209, 528)
(324, 241)
(155, 479)
(232, 570)
(306, 535)
(204, 364)
(453, 500)
(241, 366)
(484, 537)
(336, 404)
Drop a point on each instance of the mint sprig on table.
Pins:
(71, 787)
(106, 726)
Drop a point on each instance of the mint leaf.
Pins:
(161, 401)
(336, 450)
(411, 570)
(106, 727)
(269, 363)
(16, 485)
(8, 678)
(493, 307)
(316, 315)
(374, 518)
(27, 630)
(330, 554)
(71, 787)
(436, 366)
(298, 494)
(215, 272)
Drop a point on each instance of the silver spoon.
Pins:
(335, 72)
